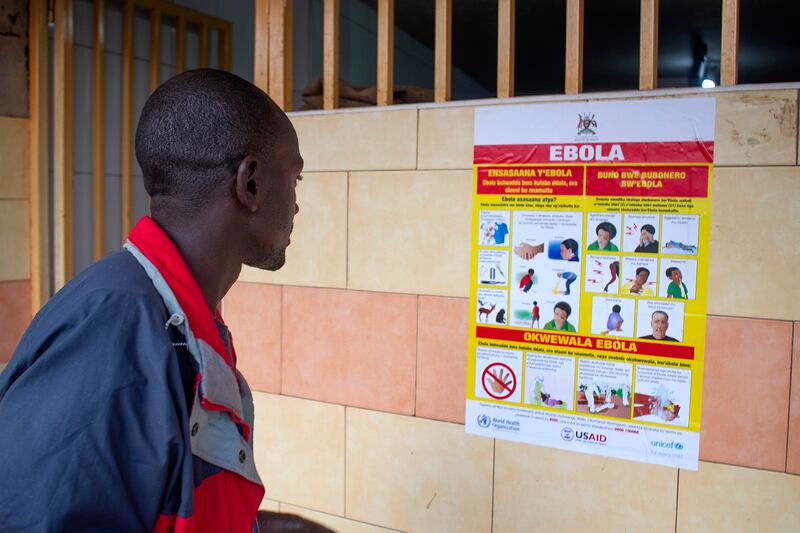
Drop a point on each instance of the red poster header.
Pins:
(608, 344)
(610, 152)
(550, 180)
(663, 181)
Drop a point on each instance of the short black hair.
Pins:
(564, 306)
(609, 227)
(642, 269)
(649, 228)
(670, 270)
(617, 308)
(535, 302)
(570, 244)
(530, 271)
(197, 127)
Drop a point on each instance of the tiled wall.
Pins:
(358, 346)
(15, 286)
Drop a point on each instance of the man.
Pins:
(659, 322)
(121, 408)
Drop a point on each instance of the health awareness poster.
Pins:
(589, 281)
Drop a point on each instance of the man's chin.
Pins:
(273, 263)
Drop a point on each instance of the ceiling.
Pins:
(769, 41)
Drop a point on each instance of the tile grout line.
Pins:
(677, 499)
(789, 413)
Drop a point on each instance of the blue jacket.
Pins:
(121, 409)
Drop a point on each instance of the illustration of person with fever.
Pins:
(605, 232)
(561, 313)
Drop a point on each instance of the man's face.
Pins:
(603, 237)
(559, 316)
(676, 276)
(275, 221)
(659, 322)
(566, 253)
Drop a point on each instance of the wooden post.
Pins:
(98, 133)
(330, 61)
(505, 48)
(261, 45)
(729, 68)
(573, 83)
(225, 48)
(38, 153)
(126, 121)
(443, 50)
(203, 45)
(155, 48)
(385, 89)
(280, 53)
(180, 46)
(648, 45)
(62, 143)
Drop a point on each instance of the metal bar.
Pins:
(648, 45)
(330, 59)
(385, 90)
(62, 142)
(443, 51)
(505, 48)
(573, 82)
(98, 132)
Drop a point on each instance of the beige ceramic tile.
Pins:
(409, 232)
(793, 448)
(269, 505)
(417, 475)
(731, 498)
(756, 128)
(13, 157)
(746, 386)
(543, 489)
(755, 253)
(299, 448)
(350, 347)
(253, 313)
(363, 140)
(14, 240)
(317, 255)
(336, 523)
(445, 138)
(441, 358)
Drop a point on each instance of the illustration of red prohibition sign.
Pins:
(497, 377)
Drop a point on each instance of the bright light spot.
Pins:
(708, 84)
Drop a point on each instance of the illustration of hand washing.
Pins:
(660, 403)
(541, 398)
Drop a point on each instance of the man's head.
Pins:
(659, 321)
(641, 275)
(605, 232)
(674, 273)
(569, 247)
(561, 313)
(209, 141)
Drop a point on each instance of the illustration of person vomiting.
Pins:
(527, 281)
(569, 277)
(647, 241)
(605, 232)
(614, 268)
(569, 250)
(638, 285)
(615, 319)
(677, 288)
(561, 313)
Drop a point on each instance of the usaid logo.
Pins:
(666, 445)
(590, 437)
(484, 421)
(567, 434)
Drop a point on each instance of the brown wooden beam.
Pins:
(505, 48)
(729, 63)
(155, 48)
(330, 54)
(98, 132)
(126, 121)
(443, 51)
(648, 45)
(385, 90)
(62, 143)
(261, 45)
(573, 82)
(280, 53)
(180, 46)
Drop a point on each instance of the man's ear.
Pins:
(248, 185)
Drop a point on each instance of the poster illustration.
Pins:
(591, 225)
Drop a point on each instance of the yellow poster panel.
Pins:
(589, 271)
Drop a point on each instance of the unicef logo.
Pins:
(567, 434)
(484, 421)
(678, 446)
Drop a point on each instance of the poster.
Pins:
(589, 276)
